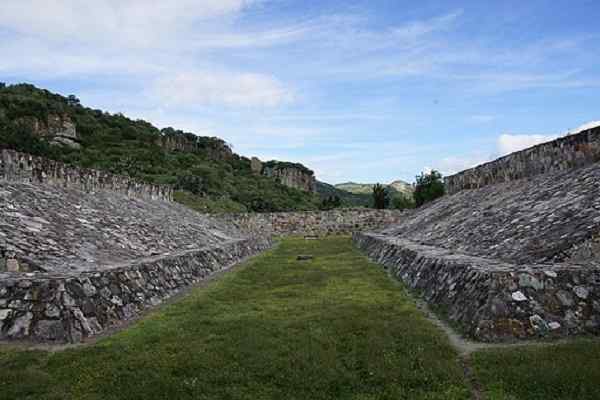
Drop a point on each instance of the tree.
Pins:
(381, 197)
(428, 188)
(73, 101)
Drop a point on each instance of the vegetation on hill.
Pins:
(395, 188)
(399, 192)
(347, 199)
(206, 173)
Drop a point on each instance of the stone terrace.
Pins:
(58, 229)
(514, 252)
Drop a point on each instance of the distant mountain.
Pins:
(402, 187)
(396, 188)
(348, 199)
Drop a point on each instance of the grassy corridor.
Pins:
(332, 328)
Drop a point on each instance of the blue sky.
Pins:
(356, 90)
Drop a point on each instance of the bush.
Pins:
(428, 188)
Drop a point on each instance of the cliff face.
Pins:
(56, 128)
(215, 148)
(296, 176)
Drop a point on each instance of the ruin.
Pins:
(82, 250)
(512, 252)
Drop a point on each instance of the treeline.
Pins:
(428, 187)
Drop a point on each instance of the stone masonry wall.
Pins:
(321, 223)
(70, 307)
(21, 167)
(491, 300)
(558, 155)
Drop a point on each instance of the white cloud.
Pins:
(137, 23)
(585, 127)
(508, 143)
(219, 88)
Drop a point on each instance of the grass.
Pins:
(565, 371)
(335, 327)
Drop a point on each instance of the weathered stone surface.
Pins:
(20, 167)
(545, 218)
(315, 223)
(489, 298)
(77, 231)
(291, 176)
(558, 155)
(68, 312)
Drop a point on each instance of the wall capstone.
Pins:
(21, 167)
(567, 152)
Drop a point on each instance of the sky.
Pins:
(363, 91)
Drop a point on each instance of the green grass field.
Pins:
(336, 327)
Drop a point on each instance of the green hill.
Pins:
(207, 175)
(396, 188)
(348, 199)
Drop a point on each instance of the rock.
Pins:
(50, 330)
(581, 292)
(12, 265)
(526, 280)
(4, 314)
(553, 325)
(538, 323)
(89, 290)
(52, 311)
(565, 298)
(256, 166)
(20, 327)
(551, 274)
(519, 296)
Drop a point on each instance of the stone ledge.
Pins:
(494, 301)
(68, 308)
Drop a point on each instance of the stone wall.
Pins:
(558, 155)
(21, 167)
(333, 222)
(491, 300)
(70, 307)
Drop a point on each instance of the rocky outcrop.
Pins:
(57, 129)
(291, 175)
(214, 148)
(256, 166)
(562, 154)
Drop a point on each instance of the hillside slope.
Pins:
(207, 175)
(396, 188)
